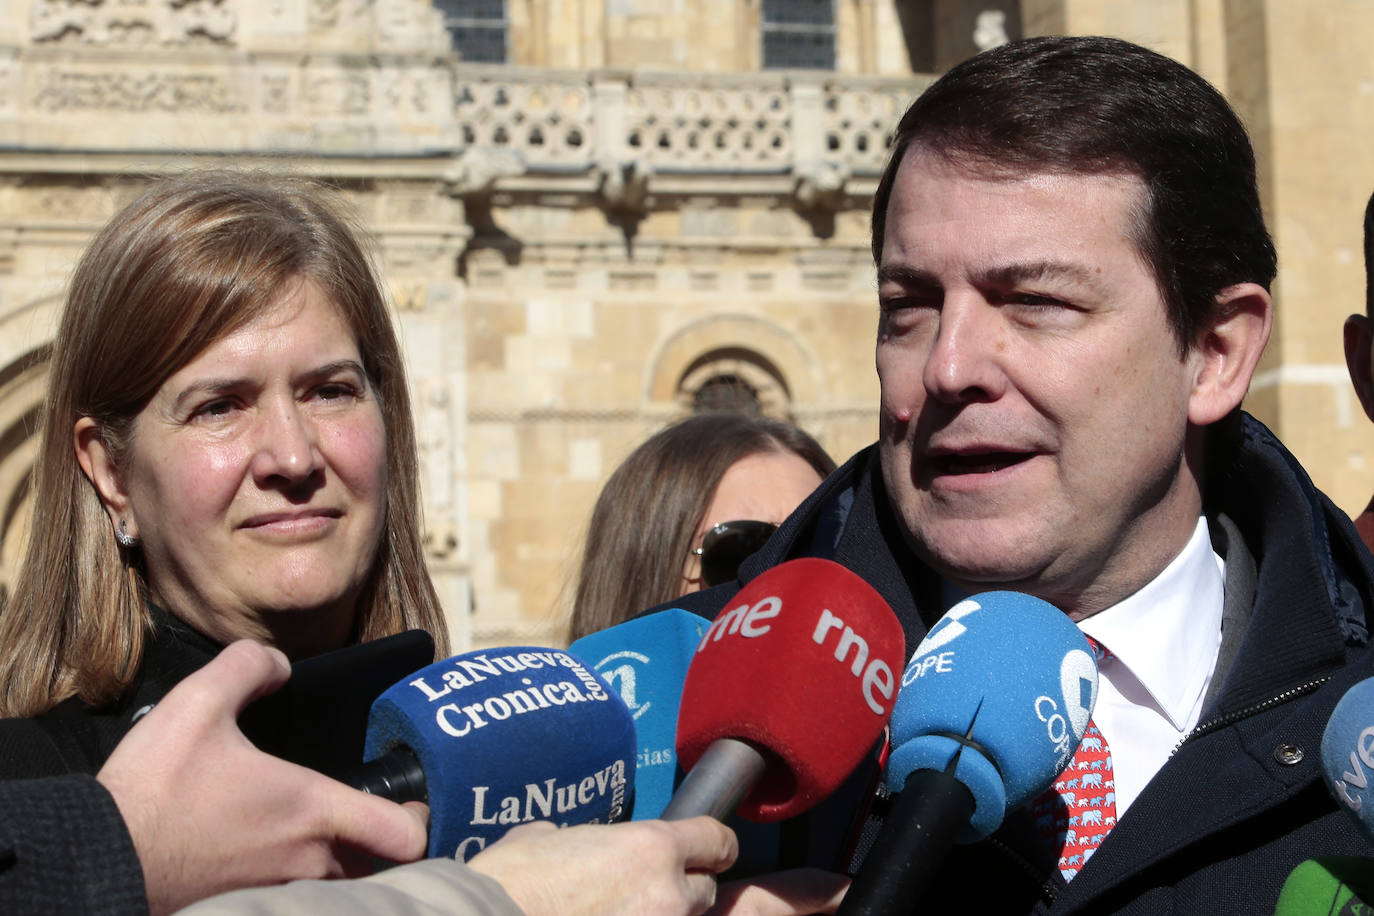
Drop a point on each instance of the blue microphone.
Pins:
(1331, 883)
(499, 737)
(1348, 754)
(991, 709)
(645, 661)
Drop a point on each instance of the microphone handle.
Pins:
(922, 826)
(726, 773)
(396, 775)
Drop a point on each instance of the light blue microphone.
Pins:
(1348, 754)
(645, 661)
(991, 709)
(1005, 683)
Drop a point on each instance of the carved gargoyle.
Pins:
(624, 185)
(474, 171)
(820, 185)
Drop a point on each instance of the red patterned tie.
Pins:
(1077, 812)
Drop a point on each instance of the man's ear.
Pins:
(1227, 351)
(1359, 334)
(99, 467)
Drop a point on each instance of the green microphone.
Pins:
(1329, 886)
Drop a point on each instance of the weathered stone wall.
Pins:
(576, 241)
(571, 249)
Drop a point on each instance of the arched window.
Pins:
(798, 34)
(734, 380)
(476, 28)
(728, 393)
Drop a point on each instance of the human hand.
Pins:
(641, 867)
(209, 812)
(797, 892)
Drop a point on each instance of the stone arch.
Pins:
(27, 331)
(767, 357)
(25, 346)
(22, 386)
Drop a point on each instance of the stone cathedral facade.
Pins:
(595, 216)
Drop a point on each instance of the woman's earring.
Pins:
(124, 538)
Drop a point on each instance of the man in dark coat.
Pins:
(1073, 282)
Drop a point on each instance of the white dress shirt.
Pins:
(1164, 640)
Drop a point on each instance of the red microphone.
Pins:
(789, 688)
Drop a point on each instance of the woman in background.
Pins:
(685, 508)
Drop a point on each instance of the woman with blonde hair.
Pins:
(226, 451)
(228, 457)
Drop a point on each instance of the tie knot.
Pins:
(1100, 652)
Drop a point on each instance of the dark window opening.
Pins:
(477, 29)
(798, 34)
(728, 393)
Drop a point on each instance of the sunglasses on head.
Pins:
(729, 544)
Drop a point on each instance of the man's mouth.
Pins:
(977, 463)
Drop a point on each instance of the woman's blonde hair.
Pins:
(192, 260)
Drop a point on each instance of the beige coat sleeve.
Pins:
(428, 888)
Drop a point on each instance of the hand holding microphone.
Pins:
(991, 709)
(209, 812)
(499, 737)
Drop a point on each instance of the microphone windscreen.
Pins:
(1328, 886)
(645, 661)
(507, 736)
(1005, 681)
(1348, 754)
(801, 664)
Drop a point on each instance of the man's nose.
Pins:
(965, 362)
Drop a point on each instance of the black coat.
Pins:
(75, 737)
(1241, 801)
(65, 849)
(63, 846)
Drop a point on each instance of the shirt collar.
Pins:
(1168, 632)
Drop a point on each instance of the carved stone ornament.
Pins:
(820, 186)
(434, 413)
(129, 23)
(135, 91)
(624, 186)
(990, 30)
(440, 540)
(474, 171)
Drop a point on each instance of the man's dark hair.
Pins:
(1104, 106)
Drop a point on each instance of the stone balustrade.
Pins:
(618, 127)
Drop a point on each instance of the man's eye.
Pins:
(1034, 299)
(902, 303)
